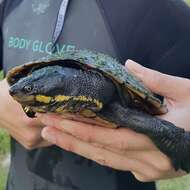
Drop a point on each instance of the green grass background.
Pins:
(4, 150)
(182, 183)
(1, 75)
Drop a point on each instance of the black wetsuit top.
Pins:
(153, 33)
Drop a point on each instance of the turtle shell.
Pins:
(109, 66)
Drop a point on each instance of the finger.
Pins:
(32, 122)
(160, 166)
(154, 158)
(149, 177)
(154, 174)
(159, 83)
(44, 144)
(123, 139)
(29, 137)
(101, 156)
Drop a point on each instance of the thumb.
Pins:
(165, 85)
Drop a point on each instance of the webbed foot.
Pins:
(170, 139)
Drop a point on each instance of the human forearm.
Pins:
(3, 112)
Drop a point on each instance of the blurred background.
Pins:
(182, 183)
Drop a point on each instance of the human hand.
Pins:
(124, 149)
(12, 118)
(175, 91)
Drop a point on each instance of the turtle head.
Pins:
(24, 90)
(40, 83)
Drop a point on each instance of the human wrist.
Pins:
(3, 86)
(3, 99)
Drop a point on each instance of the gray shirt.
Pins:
(28, 32)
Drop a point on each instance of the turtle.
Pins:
(96, 88)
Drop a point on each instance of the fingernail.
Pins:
(134, 68)
(49, 136)
(45, 119)
(129, 61)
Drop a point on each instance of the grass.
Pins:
(181, 183)
(4, 150)
(4, 143)
(3, 177)
(1, 75)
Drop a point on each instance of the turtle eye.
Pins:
(28, 88)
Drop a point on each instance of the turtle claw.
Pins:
(29, 112)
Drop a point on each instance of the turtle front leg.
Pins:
(170, 139)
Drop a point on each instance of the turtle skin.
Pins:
(98, 93)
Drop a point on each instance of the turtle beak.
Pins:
(16, 93)
(12, 91)
(15, 90)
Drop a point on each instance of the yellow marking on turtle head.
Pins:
(26, 109)
(62, 98)
(89, 99)
(44, 99)
(41, 110)
(59, 110)
(24, 98)
(98, 103)
(81, 98)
